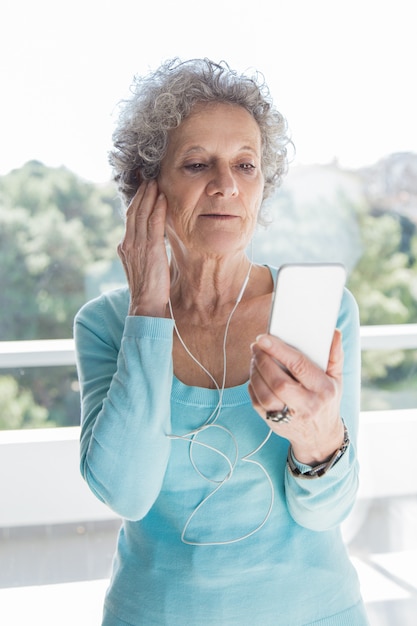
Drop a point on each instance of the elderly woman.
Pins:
(224, 519)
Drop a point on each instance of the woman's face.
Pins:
(212, 179)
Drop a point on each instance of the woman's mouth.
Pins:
(218, 216)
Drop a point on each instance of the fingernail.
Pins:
(264, 341)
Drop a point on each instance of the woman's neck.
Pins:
(207, 287)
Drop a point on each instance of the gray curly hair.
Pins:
(161, 100)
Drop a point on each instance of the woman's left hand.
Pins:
(315, 428)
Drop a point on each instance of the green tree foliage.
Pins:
(18, 408)
(58, 238)
(384, 283)
(53, 228)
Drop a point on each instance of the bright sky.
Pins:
(341, 71)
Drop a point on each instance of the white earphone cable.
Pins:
(192, 437)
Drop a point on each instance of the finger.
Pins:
(269, 382)
(335, 366)
(263, 412)
(305, 387)
(274, 388)
(300, 367)
(156, 225)
(137, 198)
(257, 405)
(140, 249)
(132, 210)
(254, 398)
(138, 212)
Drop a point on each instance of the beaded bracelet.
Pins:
(321, 469)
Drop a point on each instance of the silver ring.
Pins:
(284, 415)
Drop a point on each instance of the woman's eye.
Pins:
(247, 166)
(195, 167)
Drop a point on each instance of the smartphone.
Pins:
(305, 307)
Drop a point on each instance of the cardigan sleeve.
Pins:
(322, 503)
(125, 384)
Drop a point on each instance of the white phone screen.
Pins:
(305, 307)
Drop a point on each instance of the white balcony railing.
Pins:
(42, 465)
(54, 352)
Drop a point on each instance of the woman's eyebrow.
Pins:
(193, 149)
(198, 148)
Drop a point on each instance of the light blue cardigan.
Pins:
(216, 532)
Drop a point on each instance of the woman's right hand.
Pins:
(143, 252)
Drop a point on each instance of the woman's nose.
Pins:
(223, 182)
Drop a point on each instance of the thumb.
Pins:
(335, 365)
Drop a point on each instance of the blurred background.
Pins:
(343, 75)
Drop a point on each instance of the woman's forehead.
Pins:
(214, 123)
